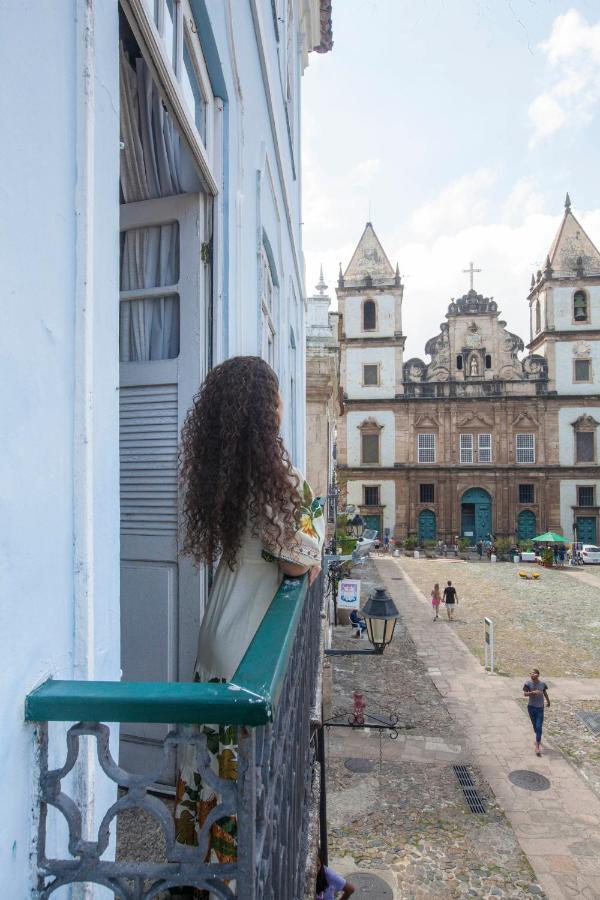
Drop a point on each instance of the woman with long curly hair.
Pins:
(245, 506)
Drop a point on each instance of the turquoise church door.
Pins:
(586, 529)
(476, 515)
(526, 526)
(427, 529)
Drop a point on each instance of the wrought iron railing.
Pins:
(270, 701)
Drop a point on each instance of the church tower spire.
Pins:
(564, 304)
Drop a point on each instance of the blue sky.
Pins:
(460, 125)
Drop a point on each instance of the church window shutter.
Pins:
(369, 315)
(370, 448)
(584, 446)
(583, 370)
(371, 495)
(585, 495)
(426, 493)
(370, 375)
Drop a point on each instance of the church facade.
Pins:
(488, 437)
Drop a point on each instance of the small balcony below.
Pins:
(265, 789)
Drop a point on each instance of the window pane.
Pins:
(169, 31)
(149, 326)
(370, 375)
(582, 369)
(526, 493)
(370, 448)
(584, 443)
(585, 496)
(525, 448)
(149, 329)
(192, 91)
(426, 493)
(371, 495)
(426, 448)
(369, 315)
(466, 448)
(485, 448)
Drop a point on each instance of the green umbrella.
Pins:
(551, 537)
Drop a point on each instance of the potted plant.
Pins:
(463, 546)
(548, 557)
(503, 546)
(409, 545)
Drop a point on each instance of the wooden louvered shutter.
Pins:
(161, 594)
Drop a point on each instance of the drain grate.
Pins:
(591, 720)
(475, 802)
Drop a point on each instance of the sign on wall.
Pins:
(349, 593)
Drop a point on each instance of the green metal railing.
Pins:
(250, 698)
(269, 701)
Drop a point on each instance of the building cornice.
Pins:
(553, 336)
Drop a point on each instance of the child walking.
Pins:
(436, 599)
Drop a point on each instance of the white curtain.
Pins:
(150, 167)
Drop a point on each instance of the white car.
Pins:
(590, 555)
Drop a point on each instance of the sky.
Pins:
(456, 127)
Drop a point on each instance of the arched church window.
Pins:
(580, 306)
(369, 316)
(538, 317)
(459, 362)
(488, 361)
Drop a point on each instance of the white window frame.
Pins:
(426, 447)
(163, 48)
(465, 449)
(268, 310)
(525, 448)
(484, 448)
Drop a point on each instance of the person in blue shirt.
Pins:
(357, 622)
(329, 884)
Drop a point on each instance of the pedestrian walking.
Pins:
(436, 599)
(329, 884)
(450, 599)
(480, 548)
(536, 692)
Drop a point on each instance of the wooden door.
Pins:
(161, 594)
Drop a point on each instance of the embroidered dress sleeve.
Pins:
(305, 547)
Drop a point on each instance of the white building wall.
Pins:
(384, 418)
(59, 558)
(565, 370)
(356, 358)
(566, 438)
(562, 303)
(568, 499)
(353, 315)
(263, 191)
(59, 467)
(387, 495)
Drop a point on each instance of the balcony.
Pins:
(273, 701)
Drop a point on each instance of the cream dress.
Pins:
(239, 598)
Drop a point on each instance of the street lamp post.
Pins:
(381, 615)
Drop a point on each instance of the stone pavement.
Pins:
(395, 807)
(558, 828)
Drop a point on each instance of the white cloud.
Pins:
(573, 54)
(463, 202)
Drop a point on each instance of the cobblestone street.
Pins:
(552, 623)
(407, 818)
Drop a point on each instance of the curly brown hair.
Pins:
(234, 468)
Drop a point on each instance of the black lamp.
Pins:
(381, 616)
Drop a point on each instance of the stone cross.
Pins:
(471, 271)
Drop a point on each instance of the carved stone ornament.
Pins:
(582, 349)
(585, 423)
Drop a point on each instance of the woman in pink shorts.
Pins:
(436, 599)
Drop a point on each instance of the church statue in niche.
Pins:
(473, 366)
